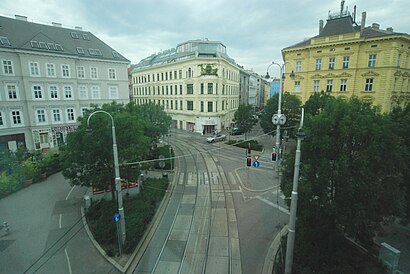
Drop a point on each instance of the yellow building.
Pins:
(347, 59)
(197, 84)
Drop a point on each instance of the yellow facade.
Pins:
(376, 69)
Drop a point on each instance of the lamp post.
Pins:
(294, 202)
(279, 118)
(117, 173)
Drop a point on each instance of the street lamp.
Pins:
(294, 201)
(117, 173)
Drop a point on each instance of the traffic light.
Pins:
(274, 157)
(249, 150)
(248, 162)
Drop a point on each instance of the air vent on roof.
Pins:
(56, 24)
(79, 28)
(21, 17)
(74, 35)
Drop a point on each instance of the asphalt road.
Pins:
(46, 232)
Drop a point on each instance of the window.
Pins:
(332, 63)
(190, 105)
(368, 87)
(68, 92)
(34, 44)
(51, 46)
(202, 106)
(80, 50)
(329, 85)
(4, 41)
(8, 67)
(37, 92)
(112, 74)
(81, 72)
(190, 89)
(16, 118)
(316, 84)
(297, 86)
(65, 71)
(372, 61)
(41, 116)
(180, 89)
(70, 115)
(2, 123)
(95, 92)
(93, 73)
(12, 93)
(202, 88)
(398, 60)
(74, 35)
(113, 92)
(82, 90)
(343, 84)
(51, 70)
(86, 37)
(56, 115)
(345, 64)
(180, 74)
(180, 104)
(34, 69)
(298, 66)
(210, 88)
(59, 47)
(318, 64)
(53, 91)
(210, 107)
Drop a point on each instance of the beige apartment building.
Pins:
(347, 59)
(197, 84)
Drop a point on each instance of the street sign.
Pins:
(256, 164)
(255, 157)
(116, 218)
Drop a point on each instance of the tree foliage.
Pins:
(290, 107)
(244, 118)
(351, 177)
(88, 158)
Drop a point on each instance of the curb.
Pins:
(273, 249)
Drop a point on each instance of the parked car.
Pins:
(216, 138)
(236, 131)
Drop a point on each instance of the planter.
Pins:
(27, 182)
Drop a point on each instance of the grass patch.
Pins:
(244, 144)
(139, 211)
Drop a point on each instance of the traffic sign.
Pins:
(255, 157)
(256, 164)
(116, 218)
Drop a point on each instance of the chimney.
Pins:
(389, 29)
(78, 28)
(363, 23)
(320, 26)
(56, 24)
(375, 26)
(21, 17)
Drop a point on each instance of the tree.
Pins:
(316, 103)
(351, 178)
(401, 120)
(244, 118)
(88, 158)
(290, 107)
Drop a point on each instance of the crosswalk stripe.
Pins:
(181, 178)
(232, 178)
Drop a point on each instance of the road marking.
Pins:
(59, 221)
(233, 180)
(68, 261)
(181, 178)
(284, 210)
(68, 195)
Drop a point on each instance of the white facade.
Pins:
(44, 91)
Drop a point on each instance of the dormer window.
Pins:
(74, 35)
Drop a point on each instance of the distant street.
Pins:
(46, 232)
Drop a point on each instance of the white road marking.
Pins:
(69, 193)
(59, 221)
(68, 261)
(284, 210)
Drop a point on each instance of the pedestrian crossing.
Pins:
(207, 178)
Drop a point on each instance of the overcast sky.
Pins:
(254, 32)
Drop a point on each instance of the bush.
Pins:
(8, 184)
(244, 144)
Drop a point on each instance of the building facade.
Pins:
(347, 59)
(197, 83)
(49, 76)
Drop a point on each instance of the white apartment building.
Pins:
(197, 83)
(49, 76)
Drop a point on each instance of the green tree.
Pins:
(88, 158)
(290, 107)
(244, 118)
(351, 178)
(401, 119)
(316, 102)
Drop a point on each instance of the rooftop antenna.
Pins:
(342, 7)
(354, 14)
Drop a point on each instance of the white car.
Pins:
(216, 138)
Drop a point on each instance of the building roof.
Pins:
(19, 34)
(343, 25)
(200, 48)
